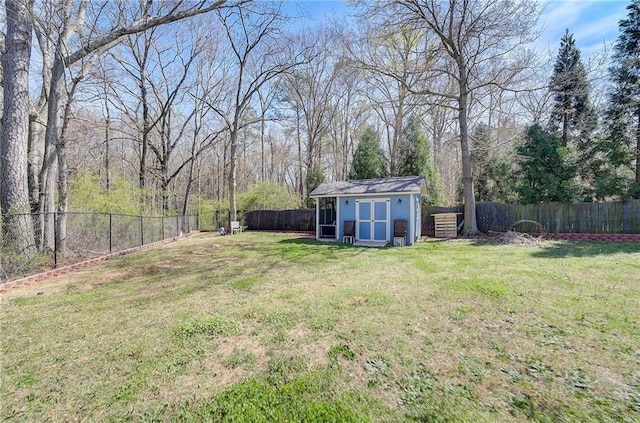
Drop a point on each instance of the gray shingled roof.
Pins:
(403, 184)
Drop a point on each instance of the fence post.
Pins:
(55, 239)
(141, 231)
(162, 226)
(110, 234)
(177, 225)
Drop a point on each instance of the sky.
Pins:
(593, 22)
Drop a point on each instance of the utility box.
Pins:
(446, 225)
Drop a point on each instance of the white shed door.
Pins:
(372, 220)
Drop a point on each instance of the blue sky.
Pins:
(593, 22)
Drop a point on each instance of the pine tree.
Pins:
(369, 161)
(573, 117)
(547, 170)
(623, 113)
(415, 159)
(570, 90)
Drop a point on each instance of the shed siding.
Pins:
(347, 212)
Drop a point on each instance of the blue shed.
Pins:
(370, 212)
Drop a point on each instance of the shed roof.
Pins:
(398, 185)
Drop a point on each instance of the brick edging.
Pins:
(4, 287)
(592, 237)
(581, 237)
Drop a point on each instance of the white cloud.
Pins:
(593, 23)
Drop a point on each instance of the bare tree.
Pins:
(89, 39)
(480, 44)
(394, 61)
(349, 110)
(308, 90)
(256, 52)
(266, 97)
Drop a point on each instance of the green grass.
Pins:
(267, 327)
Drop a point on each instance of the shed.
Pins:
(380, 211)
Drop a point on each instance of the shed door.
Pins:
(372, 220)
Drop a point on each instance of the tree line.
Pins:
(175, 106)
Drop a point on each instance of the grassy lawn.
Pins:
(266, 327)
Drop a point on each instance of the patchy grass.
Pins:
(267, 327)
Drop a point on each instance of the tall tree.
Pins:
(17, 231)
(307, 90)
(393, 62)
(256, 58)
(349, 110)
(623, 114)
(89, 40)
(570, 90)
(479, 43)
(416, 159)
(368, 160)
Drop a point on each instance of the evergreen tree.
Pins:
(570, 90)
(547, 169)
(415, 159)
(368, 160)
(573, 117)
(493, 173)
(623, 113)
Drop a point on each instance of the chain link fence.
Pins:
(32, 243)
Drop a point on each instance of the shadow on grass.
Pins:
(330, 245)
(564, 249)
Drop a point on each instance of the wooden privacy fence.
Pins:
(281, 220)
(620, 217)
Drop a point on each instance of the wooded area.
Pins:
(176, 107)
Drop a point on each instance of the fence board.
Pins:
(631, 216)
(597, 218)
(281, 220)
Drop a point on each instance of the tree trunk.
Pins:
(299, 138)
(63, 199)
(36, 155)
(187, 191)
(470, 221)
(565, 128)
(14, 188)
(48, 171)
(142, 171)
(233, 212)
(397, 132)
(107, 141)
(262, 129)
(638, 155)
